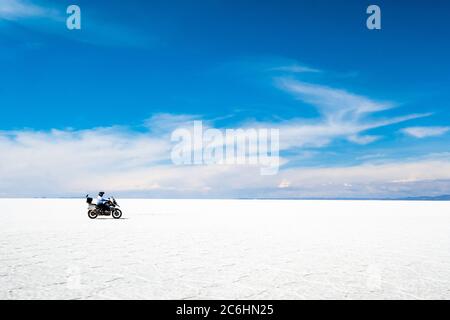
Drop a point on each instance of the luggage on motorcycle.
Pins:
(89, 200)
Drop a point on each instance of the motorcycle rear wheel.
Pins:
(117, 214)
(92, 214)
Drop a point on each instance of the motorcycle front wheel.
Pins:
(92, 214)
(117, 213)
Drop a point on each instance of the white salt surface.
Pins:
(225, 249)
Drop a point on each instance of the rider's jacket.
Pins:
(101, 200)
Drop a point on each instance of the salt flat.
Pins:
(226, 249)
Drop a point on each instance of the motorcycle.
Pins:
(111, 208)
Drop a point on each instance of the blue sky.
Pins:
(362, 113)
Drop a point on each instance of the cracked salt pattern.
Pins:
(226, 249)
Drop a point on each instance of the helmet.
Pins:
(101, 193)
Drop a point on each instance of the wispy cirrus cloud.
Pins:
(363, 139)
(334, 104)
(296, 68)
(23, 9)
(424, 132)
(343, 115)
(51, 20)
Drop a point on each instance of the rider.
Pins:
(101, 201)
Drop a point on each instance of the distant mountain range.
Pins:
(445, 197)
